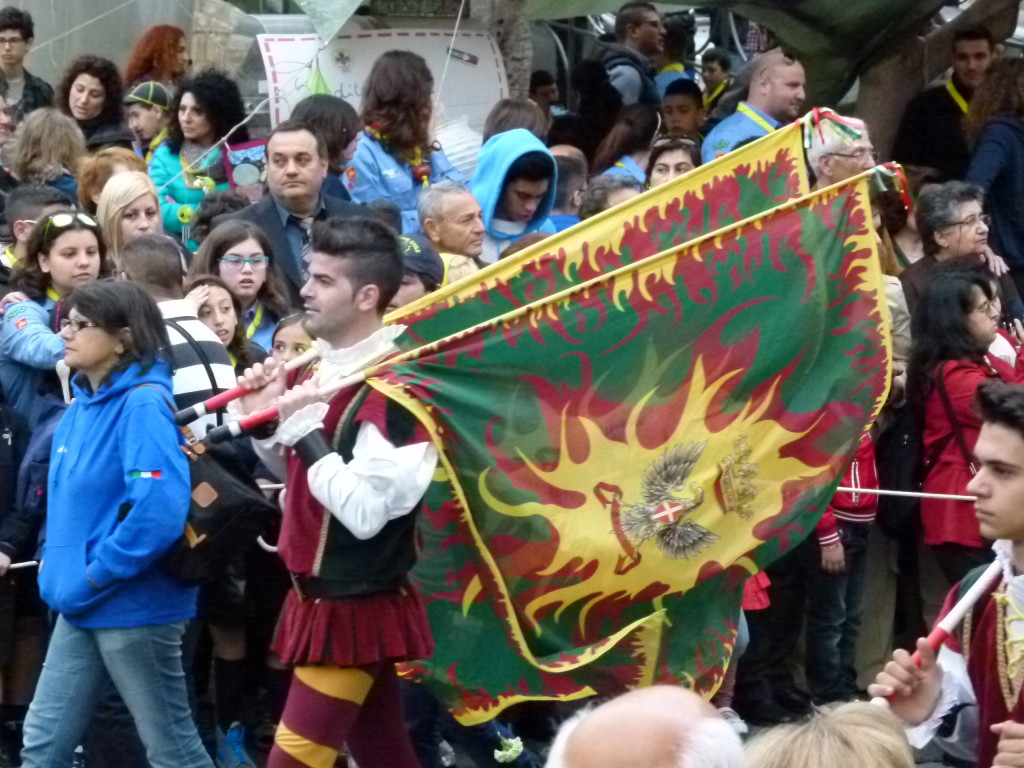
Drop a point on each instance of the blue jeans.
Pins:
(835, 606)
(145, 666)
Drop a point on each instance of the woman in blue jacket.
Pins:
(207, 107)
(395, 159)
(997, 162)
(64, 251)
(118, 494)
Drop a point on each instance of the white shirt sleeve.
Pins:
(956, 689)
(381, 483)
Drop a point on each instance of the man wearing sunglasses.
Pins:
(639, 38)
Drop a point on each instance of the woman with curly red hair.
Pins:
(161, 54)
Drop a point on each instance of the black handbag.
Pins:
(898, 452)
(902, 465)
(228, 511)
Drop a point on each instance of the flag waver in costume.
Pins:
(619, 457)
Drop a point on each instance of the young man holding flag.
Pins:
(357, 468)
(968, 696)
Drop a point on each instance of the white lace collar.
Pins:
(338, 363)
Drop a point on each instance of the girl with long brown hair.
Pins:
(396, 158)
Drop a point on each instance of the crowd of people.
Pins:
(138, 281)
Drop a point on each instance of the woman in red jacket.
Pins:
(954, 325)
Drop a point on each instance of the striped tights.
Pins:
(329, 708)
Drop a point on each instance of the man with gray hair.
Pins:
(835, 156)
(658, 727)
(452, 219)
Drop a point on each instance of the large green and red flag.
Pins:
(618, 458)
(743, 183)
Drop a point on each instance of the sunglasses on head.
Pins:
(681, 141)
(67, 218)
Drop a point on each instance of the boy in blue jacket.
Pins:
(515, 186)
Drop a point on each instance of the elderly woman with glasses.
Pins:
(64, 251)
(953, 226)
(240, 255)
(955, 324)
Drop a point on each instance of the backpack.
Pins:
(227, 510)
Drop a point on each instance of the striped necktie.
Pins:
(306, 246)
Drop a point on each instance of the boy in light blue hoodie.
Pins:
(514, 183)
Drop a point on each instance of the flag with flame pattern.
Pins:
(619, 457)
(743, 183)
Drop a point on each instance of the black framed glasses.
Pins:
(67, 218)
(77, 325)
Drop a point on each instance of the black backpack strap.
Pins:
(202, 358)
(958, 434)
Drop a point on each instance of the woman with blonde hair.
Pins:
(48, 148)
(95, 171)
(854, 735)
(128, 207)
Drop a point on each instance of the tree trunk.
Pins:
(507, 21)
(895, 78)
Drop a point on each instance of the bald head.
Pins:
(777, 83)
(658, 727)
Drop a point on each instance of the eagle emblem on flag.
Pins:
(664, 512)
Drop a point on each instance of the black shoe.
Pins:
(793, 700)
(765, 712)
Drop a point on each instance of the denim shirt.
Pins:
(375, 174)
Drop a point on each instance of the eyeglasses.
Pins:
(67, 218)
(235, 263)
(77, 325)
(11, 41)
(989, 307)
(857, 154)
(971, 221)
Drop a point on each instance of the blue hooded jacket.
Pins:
(493, 163)
(119, 494)
(29, 353)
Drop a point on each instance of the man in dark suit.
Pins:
(296, 168)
